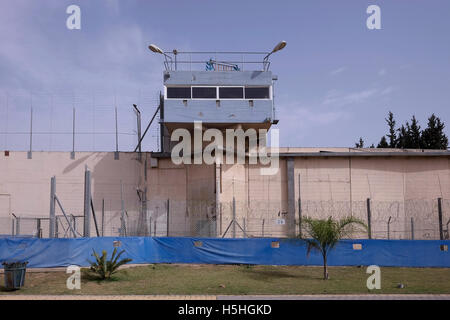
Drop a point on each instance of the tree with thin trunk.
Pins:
(392, 131)
(383, 143)
(360, 144)
(403, 138)
(323, 235)
(415, 134)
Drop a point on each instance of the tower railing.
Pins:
(215, 61)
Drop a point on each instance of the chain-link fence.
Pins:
(410, 219)
(25, 226)
(78, 121)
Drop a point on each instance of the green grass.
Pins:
(241, 280)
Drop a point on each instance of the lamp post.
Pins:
(278, 47)
(154, 48)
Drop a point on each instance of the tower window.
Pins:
(204, 92)
(257, 93)
(231, 92)
(179, 92)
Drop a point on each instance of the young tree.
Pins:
(383, 143)
(360, 144)
(414, 134)
(323, 235)
(392, 132)
(433, 137)
(410, 136)
(403, 138)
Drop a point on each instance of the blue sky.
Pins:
(337, 79)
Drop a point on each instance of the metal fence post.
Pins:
(234, 218)
(56, 227)
(220, 212)
(263, 228)
(138, 125)
(74, 226)
(389, 228)
(38, 228)
(168, 217)
(299, 209)
(52, 221)
(103, 217)
(116, 154)
(72, 154)
(144, 212)
(441, 232)
(369, 219)
(149, 223)
(122, 214)
(17, 226)
(87, 203)
(290, 221)
(30, 152)
(412, 228)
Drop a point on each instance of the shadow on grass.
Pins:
(4, 289)
(89, 276)
(268, 275)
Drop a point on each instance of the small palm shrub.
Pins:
(323, 235)
(105, 268)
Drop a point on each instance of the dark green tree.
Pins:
(403, 138)
(415, 136)
(360, 144)
(392, 131)
(433, 137)
(410, 136)
(383, 143)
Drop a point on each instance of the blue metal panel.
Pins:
(229, 111)
(207, 111)
(236, 78)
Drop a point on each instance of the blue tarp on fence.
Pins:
(63, 252)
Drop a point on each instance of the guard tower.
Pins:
(221, 89)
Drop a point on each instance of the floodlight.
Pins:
(155, 49)
(279, 46)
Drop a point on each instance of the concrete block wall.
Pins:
(191, 193)
(398, 187)
(26, 184)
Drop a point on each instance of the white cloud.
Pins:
(382, 72)
(387, 90)
(335, 98)
(337, 71)
(39, 56)
(310, 117)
